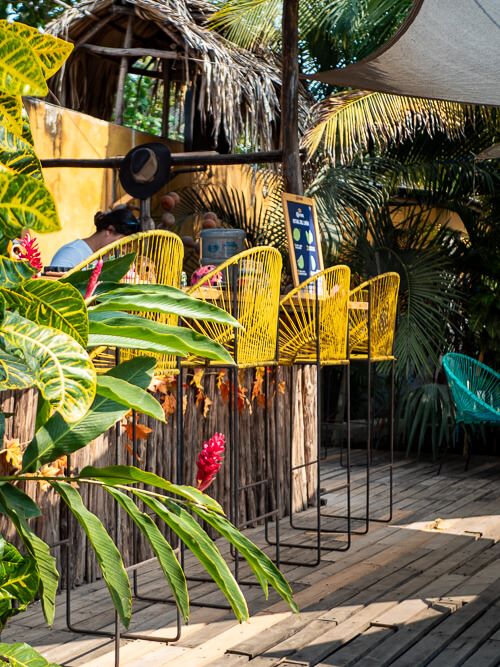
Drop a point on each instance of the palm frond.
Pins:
(352, 122)
(260, 217)
(249, 23)
(345, 198)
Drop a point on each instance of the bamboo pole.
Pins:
(120, 90)
(126, 52)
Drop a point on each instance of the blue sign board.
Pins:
(303, 237)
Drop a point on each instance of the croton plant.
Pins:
(48, 329)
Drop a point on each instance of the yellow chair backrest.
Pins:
(248, 287)
(304, 318)
(379, 296)
(158, 260)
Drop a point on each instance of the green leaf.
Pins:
(43, 412)
(18, 154)
(49, 303)
(26, 202)
(260, 564)
(130, 396)
(57, 437)
(14, 272)
(23, 655)
(162, 299)
(51, 51)
(40, 552)
(112, 271)
(10, 112)
(169, 564)
(19, 581)
(60, 367)
(202, 547)
(20, 501)
(131, 331)
(15, 373)
(108, 556)
(112, 475)
(20, 70)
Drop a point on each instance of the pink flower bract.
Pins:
(94, 277)
(26, 249)
(210, 460)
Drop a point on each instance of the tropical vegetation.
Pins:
(48, 332)
(398, 188)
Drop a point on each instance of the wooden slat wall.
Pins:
(158, 455)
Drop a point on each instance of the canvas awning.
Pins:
(446, 50)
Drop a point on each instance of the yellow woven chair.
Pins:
(372, 325)
(248, 287)
(304, 321)
(375, 300)
(313, 330)
(158, 260)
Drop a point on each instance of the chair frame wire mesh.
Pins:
(313, 330)
(247, 286)
(470, 382)
(467, 380)
(159, 257)
(371, 340)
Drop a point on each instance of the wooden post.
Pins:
(292, 173)
(147, 222)
(119, 102)
(165, 70)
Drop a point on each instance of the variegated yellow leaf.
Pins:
(10, 113)
(51, 50)
(14, 373)
(58, 365)
(25, 202)
(26, 129)
(20, 68)
(50, 303)
(13, 272)
(18, 154)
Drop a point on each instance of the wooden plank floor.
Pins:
(422, 590)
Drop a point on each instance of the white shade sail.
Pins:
(446, 50)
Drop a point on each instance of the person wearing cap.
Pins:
(110, 226)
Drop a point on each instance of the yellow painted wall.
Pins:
(79, 193)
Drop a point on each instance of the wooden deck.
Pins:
(424, 590)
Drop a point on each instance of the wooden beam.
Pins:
(120, 92)
(292, 172)
(127, 52)
(142, 71)
(178, 159)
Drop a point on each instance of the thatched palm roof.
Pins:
(236, 90)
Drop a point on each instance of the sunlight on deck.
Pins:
(485, 526)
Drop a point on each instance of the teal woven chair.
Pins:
(475, 390)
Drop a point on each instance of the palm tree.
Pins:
(386, 171)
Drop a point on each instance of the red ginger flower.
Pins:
(26, 250)
(210, 460)
(94, 277)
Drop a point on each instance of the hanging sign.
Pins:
(304, 241)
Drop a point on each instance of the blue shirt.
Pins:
(71, 254)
